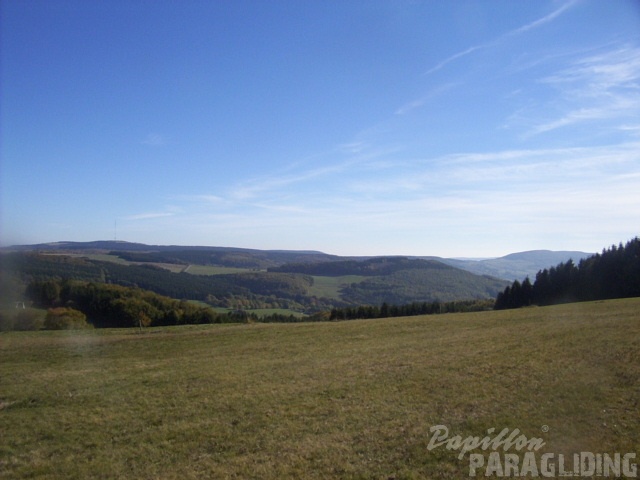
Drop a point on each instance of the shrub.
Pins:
(65, 319)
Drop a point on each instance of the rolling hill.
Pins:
(509, 267)
(516, 265)
(261, 279)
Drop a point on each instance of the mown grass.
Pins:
(327, 400)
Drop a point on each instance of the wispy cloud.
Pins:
(456, 56)
(255, 187)
(355, 147)
(147, 216)
(340, 161)
(154, 140)
(450, 179)
(519, 170)
(614, 109)
(212, 199)
(421, 101)
(597, 87)
(534, 192)
(408, 107)
(614, 68)
(546, 19)
(520, 30)
(167, 211)
(633, 129)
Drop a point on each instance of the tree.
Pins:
(29, 319)
(62, 318)
(45, 293)
(615, 273)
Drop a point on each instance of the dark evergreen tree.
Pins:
(615, 273)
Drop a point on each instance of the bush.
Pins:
(65, 319)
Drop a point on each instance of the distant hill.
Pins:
(510, 267)
(305, 281)
(400, 280)
(82, 246)
(375, 266)
(615, 273)
(517, 265)
(199, 255)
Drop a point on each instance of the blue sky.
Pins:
(462, 128)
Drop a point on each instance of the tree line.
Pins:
(412, 309)
(116, 306)
(235, 290)
(370, 267)
(424, 285)
(614, 273)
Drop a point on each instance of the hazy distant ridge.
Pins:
(509, 267)
(517, 265)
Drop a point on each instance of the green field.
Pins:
(329, 287)
(352, 400)
(172, 267)
(104, 257)
(213, 270)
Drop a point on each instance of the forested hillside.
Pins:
(369, 267)
(510, 267)
(223, 256)
(614, 273)
(117, 306)
(431, 283)
(138, 287)
(290, 286)
(242, 290)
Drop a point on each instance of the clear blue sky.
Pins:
(451, 128)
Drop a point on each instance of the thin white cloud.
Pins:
(408, 107)
(455, 57)
(546, 19)
(147, 216)
(452, 185)
(585, 114)
(354, 147)
(633, 129)
(354, 155)
(597, 87)
(208, 198)
(421, 101)
(255, 187)
(530, 194)
(154, 140)
(614, 68)
(535, 169)
(525, 28)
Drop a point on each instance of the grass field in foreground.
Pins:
(328, 400)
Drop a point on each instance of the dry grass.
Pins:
(331, 400)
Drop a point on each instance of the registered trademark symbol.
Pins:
(545, 428)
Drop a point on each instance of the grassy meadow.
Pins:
(329, 287)
(352, 400)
